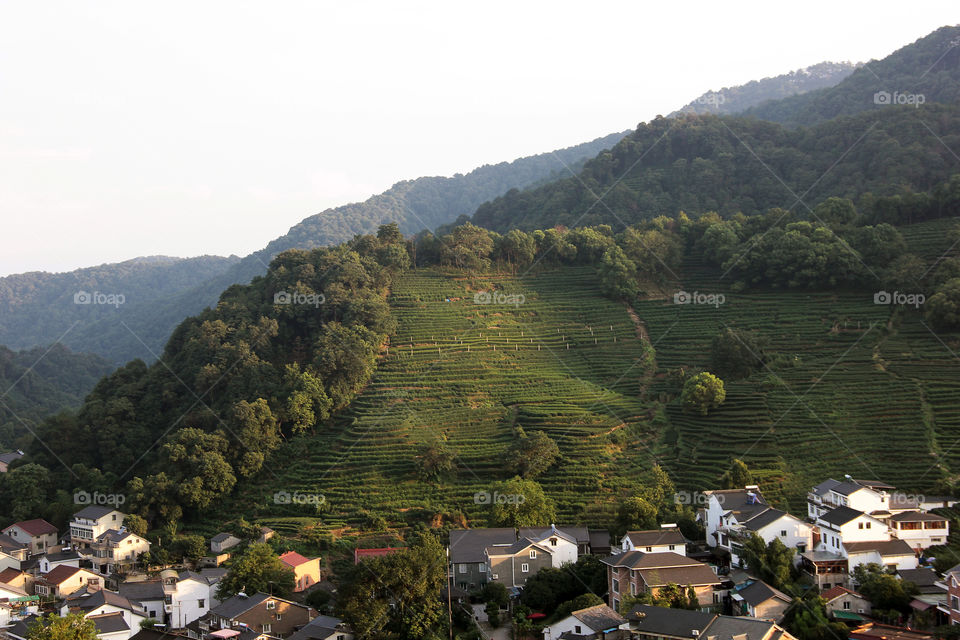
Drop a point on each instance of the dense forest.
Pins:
(929, 67)
(727, 164)
(41, 381)
(731, 100)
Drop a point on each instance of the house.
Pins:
(359, 555)
(261, 613)
(877, 631)
(15, 578)
(666, 538)
(223, 541)
(512, 564)
(636, 572)
(845, 604)
(733, 515)
(6, 459)
(660, 623)
(11, 591)
(10, 547)
(306, 570)
(591, 622)
(53, 559)
(37, 534)
(893, 554)
(600, 542)
(467, 550)
(845, 524)
(925, 579)
(757, 599)
(266, 533)
(918, 529)
(65, 580)
(98, 603)
(324, 628)
(117, 550)
(91, 522)
(175, 599)
(951, 579)
(566, 543)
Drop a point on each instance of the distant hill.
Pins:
(928, 70)
(41, 381)
(37, 308)
(739, 98)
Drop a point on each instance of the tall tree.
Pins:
(259, 569)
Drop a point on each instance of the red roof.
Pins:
(836, 592)
(9, 574)
(35, 527)
(360, 554)
(293, 559)
(59, 573)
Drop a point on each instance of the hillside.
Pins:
(929, 67)
(39, 382)
(726, 164)
(730, 100)
(38, 308)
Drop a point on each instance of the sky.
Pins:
(191, 128)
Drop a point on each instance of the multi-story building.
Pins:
(667, 538)
(91, 522)
(38, 534)
(260, 613)
(117, 550)
(636, 572)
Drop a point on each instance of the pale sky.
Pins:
(185, 128)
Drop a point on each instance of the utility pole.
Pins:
(449, 597)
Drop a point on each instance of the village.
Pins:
(659, 583)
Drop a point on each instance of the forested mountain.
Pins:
(731, 100)
(40, 381)
(728, 164)
(37, 308)
(927, 70)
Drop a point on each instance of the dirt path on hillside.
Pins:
(640, 325)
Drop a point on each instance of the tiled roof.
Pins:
(237, 605)
(35, 527)
(892, 547)
(468, 545)
(59, 574)
(655, 537)
(841, 516)
(663, 621)
(599, 617)
(759, 591)
(837, 591)
(640, 560)
(293, 559)
(692, 575)
(93, 512)
(110, 622)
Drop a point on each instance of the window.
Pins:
(200, 603)
(153, 614)
(868, 525)
(955, 603)
(633, 588)
(576, 629)
(860, 525)
(267, 628)
(482, 568)
(648, 549)
(672, 547)
(533, 554)
(114, 517)
(616, 585)
(463, 568)
(826, 585)
(846, 606)
(783, 533)
(271, 604)
(279, 617)
(553, 542)
(524, 568)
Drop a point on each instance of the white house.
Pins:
(175, 599)
(98, 604)
(587, 622)
(117, 548)
(91, 522)
(51, 560)
(666, 538)
(845, 524)
(893, 554)
(918, 529)
(223, 541)
(37, 534)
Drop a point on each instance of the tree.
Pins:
(258, 569)
(257, 429)
(702, 392)
(582, 601)
(468, 247)
(771, 562)
(737, 476)
(675, 596)
(883, 588)
(191, 547)
(73, 626)
(24, 490)
(202, 471)
(618, 275)
(636, 512)
(736, 354)
(135, 524)
(520, 503)
(434, 460)
(943, 307)
(806, 619)
(529, 456)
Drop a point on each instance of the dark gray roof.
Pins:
(697, 575)
(9, 544)
(156, 634)
(87, 600)
(640, 560)
(145, 590)
(114, 535)
(663, 621)
(654, 537)
(319, 627)
(741, 502)
(94, 512)
(22, 627)
(729, 627)
(917, 516)
(468, 545)
(578, 535)
(841, 516)
(187, 575)
(7, 458)
(515, 548)
(599, 538)
(924, 578)
(764, 518)
(62, 556)
(220, 537)
(824, 487)
(237, 605)
(599, 617)
(893, 547)
(875, 484)
(213, 574)
(759, 591)
(848, 487)
(110, 622)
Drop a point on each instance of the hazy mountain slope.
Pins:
(739, 98)
(929, 67)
